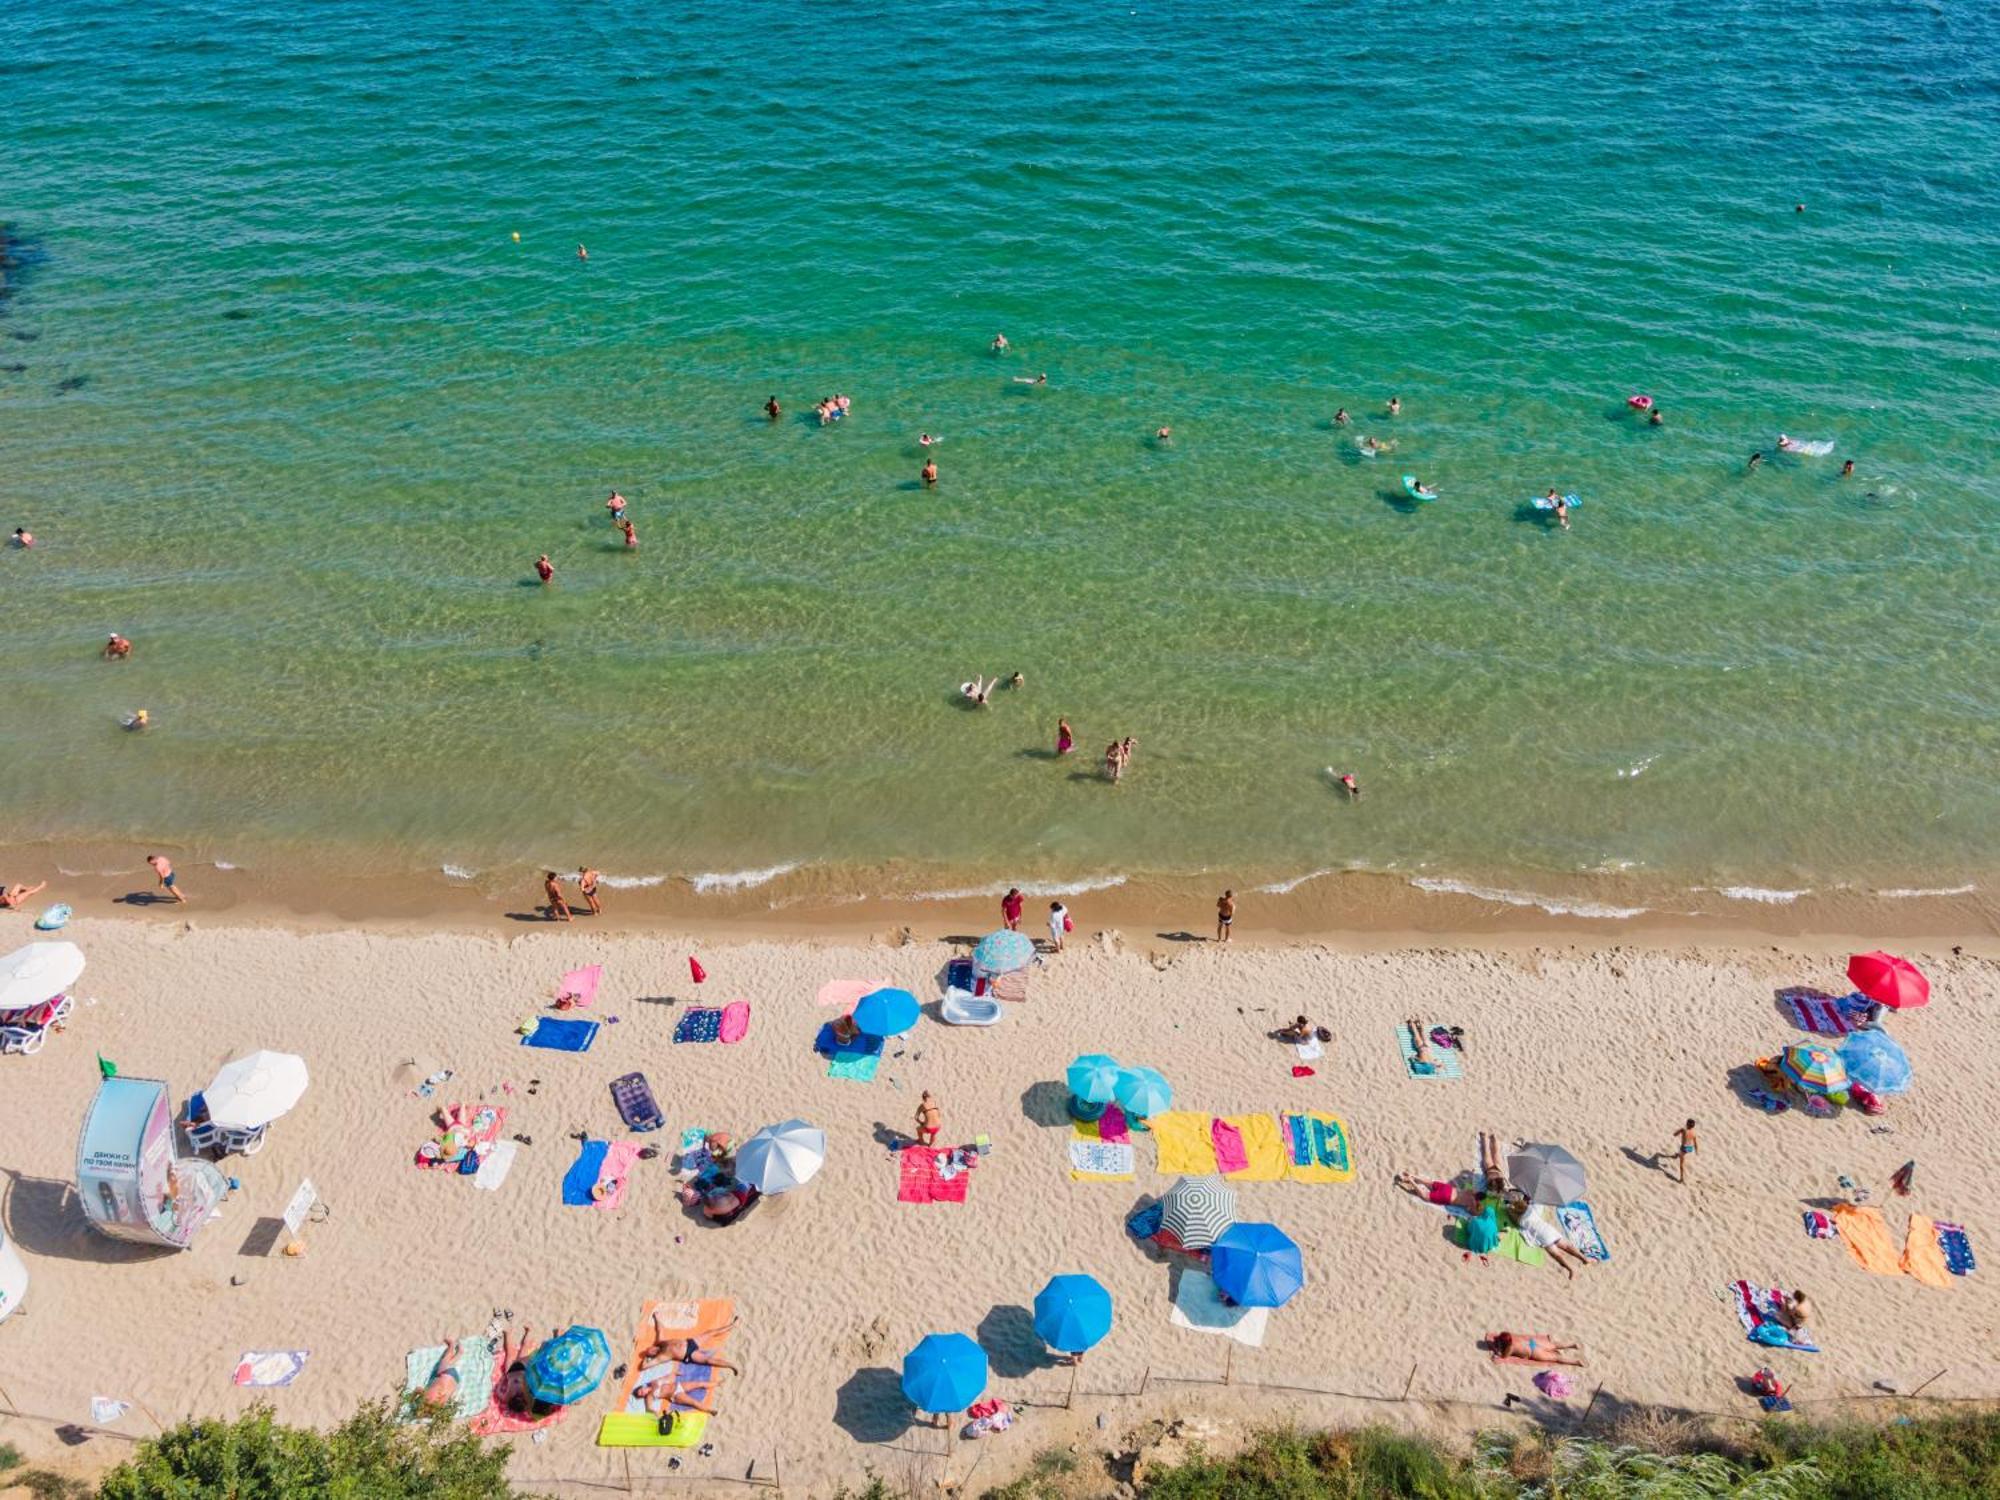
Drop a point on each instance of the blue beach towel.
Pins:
(582, 1174)
(561, 1036)
(1579, 1227)
(1445, 1060)
(1956, 1247)
(825, 1044)
(699, 1025)
(858, 1066)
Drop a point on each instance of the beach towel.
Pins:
(1579, 1227)
(701, 1024)
(1315, 1147)
(560, 1035)
(1446, 1062)
(1198, 1309)
(1228, 1141)
(1867, 1239)
(1513, 1245)
(496, 1418)
(1956, 1246)
(475, 1376)
(859, 1067)
(1261, 1146)
(706, 1321)
(487, 1120)
(495, 1165)
(1186, 1148)
(1921, 1256)
(583, 1172)
(579, 986)
(636, 1106)
(735, 1022)
(1094, 1159)
(1310, 1050)
(1820, 1013)
(624, 1429)
(270, 1367)
(1112, 1125)
(847, 993)
(614, 1172)
(1757, 1308)
(920, 1182)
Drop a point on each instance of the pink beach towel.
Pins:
(616, 1172)
(1229, 1153)
(847, 993)
(1112, 1126)
(579, 986)
(735, 1021)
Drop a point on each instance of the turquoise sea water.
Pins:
(297, 414)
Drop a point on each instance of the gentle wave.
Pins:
(631, 882)
(1555, 905)
(223, 864)
(1286, 887)
(458, 872)
(1760, 893)
(735, 880)
(1026, 888)
(1915, 893)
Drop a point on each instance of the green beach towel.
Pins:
(475, 1376)
(859, 1066)
(624, 1429)
(1514, 1247)
(1446, 1062)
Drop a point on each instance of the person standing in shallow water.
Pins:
(1011, 906)
(929, 473)
(1225, 915)
(586, 884)
(1065, 738)
(552, 888)
(544, 569)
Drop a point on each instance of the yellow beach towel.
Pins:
(1867, 1239)
(624, 1429)
(1921, 1256)
(1333, 1131)
(1185, 1146)
(1263, 1144)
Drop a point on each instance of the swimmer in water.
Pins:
(1017, 681)
(772, 409)
(117, 648)
(1372, 446)
(1041, 379)
(1655, 419)
(631, 533)
(1562, 510)
(1349, 785)
(999, 343)
(1847, 469)
(581, 253)
(1424, 491)
(924, 440)
(1755, 459)
(1164, 435)
(616, 505)
(137, 720)
(23, 537)
(929, 473)
(544, 569)
(975, 692)
(1395, 406)
(1340, 418)
(1787, 445)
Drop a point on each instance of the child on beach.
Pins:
(930, 1119)
(1684, 1139)
(1065, 737)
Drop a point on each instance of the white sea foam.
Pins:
(1560, 906)
(731, 880)
(631, 882)
(1027, 888)
(1286, 887)
(457, 872)
(1904, 894)
(1760, 893)
(223, 864)
(1633, 772)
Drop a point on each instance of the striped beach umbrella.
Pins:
(1196, 1210)
(1256, 1265)
(1143, 1091)
(1874, 1061)
(568, 1368)
(1093, 1078)
(1817, 1070)
(1003, 952)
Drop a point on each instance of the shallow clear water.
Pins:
(330, 411)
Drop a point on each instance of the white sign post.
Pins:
(295, 1215)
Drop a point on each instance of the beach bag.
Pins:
(1480, 1234)
(1068, 924)
(666, 1423)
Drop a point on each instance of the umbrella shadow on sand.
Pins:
(1013, 1348)
(1045, 1103)
(870, 1407)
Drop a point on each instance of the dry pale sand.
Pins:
(1603, 1051)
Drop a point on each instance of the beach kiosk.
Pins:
(133, 1186)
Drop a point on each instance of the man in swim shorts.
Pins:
(117, 648)
(164, 869)
(1225, 915)
(929, 473)
(1687, 1145)
(586, 884)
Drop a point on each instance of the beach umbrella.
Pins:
(38, 972)
(779, 1158)
(887, 1012)
(569, 1367)
(1876, 1062)
(255, 1090)
(1072, 1313)
(1547, 1174)
(1817, 1070)
(1093, 1078)
(1142, 1091)
(1894, 982)
(1003, 952)
(1256, 1265)
(1196, 1210)
(946, 1372)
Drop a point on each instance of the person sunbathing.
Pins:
(684, 1349)
(514, 1357)
(1420, 1049)
(1796, 1310)
(1489, 1162)
(1533, 1348)
(1300, 1030)
(658, 1396)
(1443, 1194)
(1537, 1231)
(443, 1387)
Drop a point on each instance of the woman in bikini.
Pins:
(514, 1357)
(443, 1388)
(1533, 1349)
(686, 1350)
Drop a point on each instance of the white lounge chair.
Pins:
(25, 1030)
(963, 1008)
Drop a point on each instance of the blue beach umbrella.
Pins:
(1876, 1062)
(1003, 952)
(1072, 1313)
(946, 1372)
(1142, 1091)
(1093, 1078)
(1256, 1265)
(887, 1012)
(568, 1368)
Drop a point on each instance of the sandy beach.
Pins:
(1604, 1050)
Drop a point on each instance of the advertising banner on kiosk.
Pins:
(133, 1186)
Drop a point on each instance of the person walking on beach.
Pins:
(586, 885)
(1011, 906)
(1059, 924)
(552, 887)
(1225, 915)
(1686, 1144)
(117, 648)
(163, 869)
(1065, 737)
(930, 1119)
(544, 569)
(929, 473)
(616, 505)
(632, 533)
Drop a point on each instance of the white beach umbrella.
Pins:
(255, 1090)
(779, 1158)
(38, 972)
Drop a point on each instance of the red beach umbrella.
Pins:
(1895, 982)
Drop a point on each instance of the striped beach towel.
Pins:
(1820, 1013)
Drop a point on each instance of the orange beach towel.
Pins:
(1921, 1256)
(1867, 1239)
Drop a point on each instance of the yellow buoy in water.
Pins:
(517, 236)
